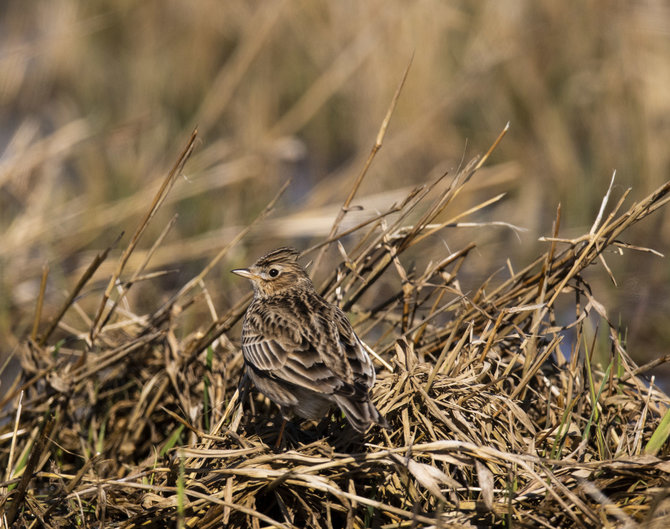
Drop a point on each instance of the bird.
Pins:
(301, 351)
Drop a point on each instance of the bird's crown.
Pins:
(280, 255)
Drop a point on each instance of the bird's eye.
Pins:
(273, 272)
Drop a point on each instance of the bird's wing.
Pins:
(290, 351)
(354, 353)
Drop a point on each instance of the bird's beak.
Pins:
(244, 272)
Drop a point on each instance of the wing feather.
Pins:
(356, 355)
(310, 345)
(290, 355)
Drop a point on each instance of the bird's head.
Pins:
(276, 272)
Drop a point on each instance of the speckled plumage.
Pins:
(301, 351)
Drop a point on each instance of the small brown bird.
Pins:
(301, 351)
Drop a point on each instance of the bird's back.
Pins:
(296, 344)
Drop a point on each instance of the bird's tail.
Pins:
(360, 412)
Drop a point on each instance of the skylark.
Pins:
(301, 351)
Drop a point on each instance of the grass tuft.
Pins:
(500, 414)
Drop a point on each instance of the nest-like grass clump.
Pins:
(499, 414)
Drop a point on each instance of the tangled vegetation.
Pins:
(505, 410)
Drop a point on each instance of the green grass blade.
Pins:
(660, 436)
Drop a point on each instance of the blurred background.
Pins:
(97, 99)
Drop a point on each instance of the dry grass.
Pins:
(510, 386)
(500, 415)
(94, 97)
